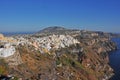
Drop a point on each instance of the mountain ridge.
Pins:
(56, 29)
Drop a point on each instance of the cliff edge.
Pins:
(72, 55)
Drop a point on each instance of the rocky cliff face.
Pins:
(77, 55)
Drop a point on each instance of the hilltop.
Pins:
(52, 29)
(55, 30)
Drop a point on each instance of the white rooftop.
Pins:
(7, 51)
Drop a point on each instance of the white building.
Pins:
(7, 51)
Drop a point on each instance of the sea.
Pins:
(16, 33)
(114, 58)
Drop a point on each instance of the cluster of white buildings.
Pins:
(7, 50)
(55, 41)
(48, 43)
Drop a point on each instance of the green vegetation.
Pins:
(15, 78)
(3, 66)
(58, 61)
(68, 61)
(2, 69)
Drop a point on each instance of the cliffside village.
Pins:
(94, 42)
(47, 43)
(8, 44)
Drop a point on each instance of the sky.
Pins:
(34, 15)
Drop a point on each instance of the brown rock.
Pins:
(1, 36)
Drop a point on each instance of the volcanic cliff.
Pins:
(56, 53)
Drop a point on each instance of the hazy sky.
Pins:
(33, 15)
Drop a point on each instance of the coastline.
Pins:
(114, 59)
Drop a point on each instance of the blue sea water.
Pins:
(16, 33)
(114, 58)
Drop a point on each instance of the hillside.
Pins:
(57, 30)
(56, 53)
